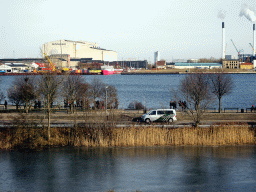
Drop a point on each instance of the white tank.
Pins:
(254, 64)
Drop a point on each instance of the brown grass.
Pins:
(103, 135)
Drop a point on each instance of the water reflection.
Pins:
(130, 169)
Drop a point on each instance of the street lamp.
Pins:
(106, 105)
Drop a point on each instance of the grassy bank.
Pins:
(104, 135)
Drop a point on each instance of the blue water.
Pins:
(156, 91)
(227, 168)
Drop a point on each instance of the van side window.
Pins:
(160, 112)
(169, 112)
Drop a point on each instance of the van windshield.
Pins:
(152, 113)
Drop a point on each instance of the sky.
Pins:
(135, 29)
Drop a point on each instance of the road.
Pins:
(122, 118)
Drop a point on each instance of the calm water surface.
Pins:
(155, 91)
(230, 168)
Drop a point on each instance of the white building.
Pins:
(5, 68)
(79, 49)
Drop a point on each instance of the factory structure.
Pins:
(76, 55)
(244, 61)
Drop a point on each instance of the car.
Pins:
(162, 115)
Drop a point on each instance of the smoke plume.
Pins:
(248, 13)
(221, 14)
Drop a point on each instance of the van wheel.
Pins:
(147, 120)
(170, 120)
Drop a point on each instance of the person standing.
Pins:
(252, 108)
(5, 105)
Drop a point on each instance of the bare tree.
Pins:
(22, 91)
(74, 90)
(222, 84)
(27, 91)
(70, 90)
(195, 90)
(49, 84)
(112, 100)
(83, 94)
(97, 88)
(14, 96)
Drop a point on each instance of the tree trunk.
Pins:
(219, 105)
(26, 107)
(49, 117)
(49, 125)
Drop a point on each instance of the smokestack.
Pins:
(223, 41)
(253, 40)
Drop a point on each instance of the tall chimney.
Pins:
(253, 40)
(223, 41)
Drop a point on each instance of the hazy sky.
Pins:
(135, 29)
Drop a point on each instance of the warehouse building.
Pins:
(78, 49)
(197, 65)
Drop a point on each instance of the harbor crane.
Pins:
(252, 47)
(238, 52)
(53, 67)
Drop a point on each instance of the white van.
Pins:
(167, 115)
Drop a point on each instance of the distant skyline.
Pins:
(185, 29)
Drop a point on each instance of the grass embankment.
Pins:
(105, 135)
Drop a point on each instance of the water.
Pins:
(155, 91)
(130, 169)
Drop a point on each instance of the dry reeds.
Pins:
(105, 135)
(151, 136)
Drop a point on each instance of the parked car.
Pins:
(164, 115)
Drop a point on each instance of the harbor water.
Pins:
(156, 91)
(187, 168)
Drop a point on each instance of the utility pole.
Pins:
(61, 54)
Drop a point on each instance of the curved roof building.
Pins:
(79, 49)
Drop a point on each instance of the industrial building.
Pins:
(197, 65)
(130, 64)
(231, 64)
(246, 66)
(77, 49)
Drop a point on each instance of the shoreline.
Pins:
(148, 72)
(172, 73)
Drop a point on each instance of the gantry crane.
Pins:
(238, 52)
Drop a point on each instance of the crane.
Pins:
(252, 47)
(238, 52)
(53, 67)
